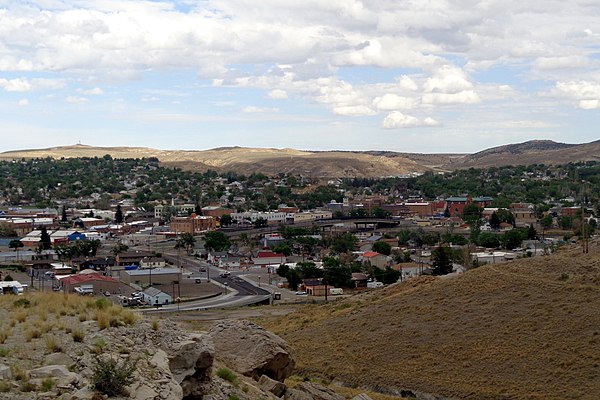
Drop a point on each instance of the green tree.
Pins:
(488, 239)
(513, 238)
(186, 241)
(336, 274)
(441, 257)
(531, 233)
(284, 249)
(45, 241)
(283, 270)
(63, 214)
(309, 270)
(387, 275)
(15, 244)
(216, 241)
(226, 220)
(546, 221)
(494, 221)
(261, 223)
(344, 243)
(119, 215)
(382, 248)
(119, 248)
(471, 214)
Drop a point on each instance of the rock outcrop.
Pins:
(251, 350)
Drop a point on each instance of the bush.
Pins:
(226, 374)
(22, 303)
(110, 377)
(47, 384)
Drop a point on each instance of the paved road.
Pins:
(241, 292)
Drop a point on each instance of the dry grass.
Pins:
(517, 330)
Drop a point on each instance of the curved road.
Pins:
(242, 291)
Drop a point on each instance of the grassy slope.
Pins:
(515, 330)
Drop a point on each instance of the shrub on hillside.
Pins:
(111, 377)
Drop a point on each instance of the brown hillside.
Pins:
(529, 329)
(245, 160)
(329, 164)
(532, 152)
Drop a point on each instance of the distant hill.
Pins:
(329, 164)
(525, 329)
(531, 152)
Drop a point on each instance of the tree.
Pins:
(119, 248)
(382, 248)
(471, 213)
(63, 215)
(387, 276)
(45, 241)
(309, 270)
(546, 221)
(513, 238)
(15, 244)
(216, 241)
(226, 220)
(344, 243)
(185, 241)
(488, 239)
(442, 263)
(260, 223)
(284, 249)
(119, 215)
(531, 233)
(494, 221)
(282, 270)
(335, 273)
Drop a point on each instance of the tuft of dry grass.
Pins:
(53, 344)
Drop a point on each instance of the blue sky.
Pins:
(448, 76)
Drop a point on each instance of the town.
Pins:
(140, 233)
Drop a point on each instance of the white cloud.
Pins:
(23, 103)
(390, 101)
(396, 119)
(92, 92)
(278, 94)
(589, 104)
(448, 79)
(16, 85)
(76, 100)
(358, 110)
(464, 97)
(254, 109)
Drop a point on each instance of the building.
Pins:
(98, 282)
(252, 216)
(216, 211)
(160, 210)
(151, 276)
(375, 259)
(193, 224)
(154, 296)
(264, 258)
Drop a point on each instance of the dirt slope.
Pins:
(529, 329)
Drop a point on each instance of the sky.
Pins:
(451, 76)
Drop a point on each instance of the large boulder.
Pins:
(314, 391)
(190, 362)
(251, 350)
(271, 385)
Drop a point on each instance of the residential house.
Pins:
(155, 296)
(359, 279)
(375, 259)
(99, 282)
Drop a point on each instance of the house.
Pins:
(359, 279)
(267, 257)
(408, 270)
(153, 262)
(132, 257)
(375, 259)
(215, 256)
(154, 296)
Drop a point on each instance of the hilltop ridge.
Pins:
(329, 164)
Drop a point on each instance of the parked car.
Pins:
(301, 293)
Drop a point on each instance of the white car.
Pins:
(301, 294)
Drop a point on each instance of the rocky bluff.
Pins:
(172, 364)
